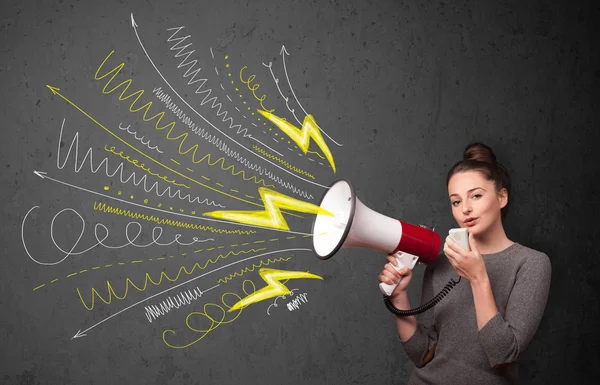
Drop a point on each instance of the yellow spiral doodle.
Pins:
(98, 206)
(128, 282)
(285, 163)
(214, 320)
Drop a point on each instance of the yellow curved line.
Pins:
(135, 163)
(230, 277)
(128, 282)
(285, 163)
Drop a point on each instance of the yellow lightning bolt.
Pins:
(271, 216)
(310, 129)
(274, 288)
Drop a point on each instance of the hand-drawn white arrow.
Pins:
(283, 54)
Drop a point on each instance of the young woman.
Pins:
(477, 333)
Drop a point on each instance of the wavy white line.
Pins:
(134, 133)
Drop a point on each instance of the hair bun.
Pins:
(479, 152)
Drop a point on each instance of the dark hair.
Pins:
(481, 158)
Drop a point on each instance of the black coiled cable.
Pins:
(423, 308)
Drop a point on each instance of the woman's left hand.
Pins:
(468, 264)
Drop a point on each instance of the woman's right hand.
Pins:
(390, 276)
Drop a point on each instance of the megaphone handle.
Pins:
(404, 260)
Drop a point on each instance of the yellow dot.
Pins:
(228, 74)
(270, 129)
(249, 108)
(232, 82)
(240, 96)
(244, 102)
(289, 142)
(171, 208)
(258, 118)
(106, 188)
(226, 56)
(119, 193)
(237, 89)
(160, 205)
(193, 212)
(253, 113)
(146, 200)
(275, 134)
(131, 197)
(264, 124)
(227, 65)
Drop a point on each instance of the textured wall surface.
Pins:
(401, 86)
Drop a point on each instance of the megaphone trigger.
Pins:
(402, 260)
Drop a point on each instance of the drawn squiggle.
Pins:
(274, 304)
(169, 222)
(134, 133)
(230, 277)
(215, 321)
(135, 162)
(285, 163)
(132, 177)
(129, 282)
(222, 146)
(215, 104)
(100, 242)
(254, 88)
(181, 299)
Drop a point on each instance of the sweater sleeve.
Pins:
(426, 335)
(505, 337)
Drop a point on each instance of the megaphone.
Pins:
(355, 225)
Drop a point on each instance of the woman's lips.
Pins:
(472, 222)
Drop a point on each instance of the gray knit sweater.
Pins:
(520, 281)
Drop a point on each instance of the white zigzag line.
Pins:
(221, 145)
(119, 169)
(193, 73)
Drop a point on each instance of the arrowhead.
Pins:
(133, 23)
(40, 174)
(283, 50)
(79, 334)
(53, 89)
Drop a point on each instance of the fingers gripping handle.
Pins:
(404, 260)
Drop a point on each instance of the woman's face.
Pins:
(472, 196)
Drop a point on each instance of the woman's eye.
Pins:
(453, 203)
(477, 195)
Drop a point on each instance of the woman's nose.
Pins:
(466, 208)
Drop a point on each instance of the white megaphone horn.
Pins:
(355, 225)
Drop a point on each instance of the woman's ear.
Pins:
(503, 197)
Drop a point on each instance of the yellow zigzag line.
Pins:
(135, 163)
(247, 269)
(111, 291)
(285, 163)
(98, 206)
(146, 107)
